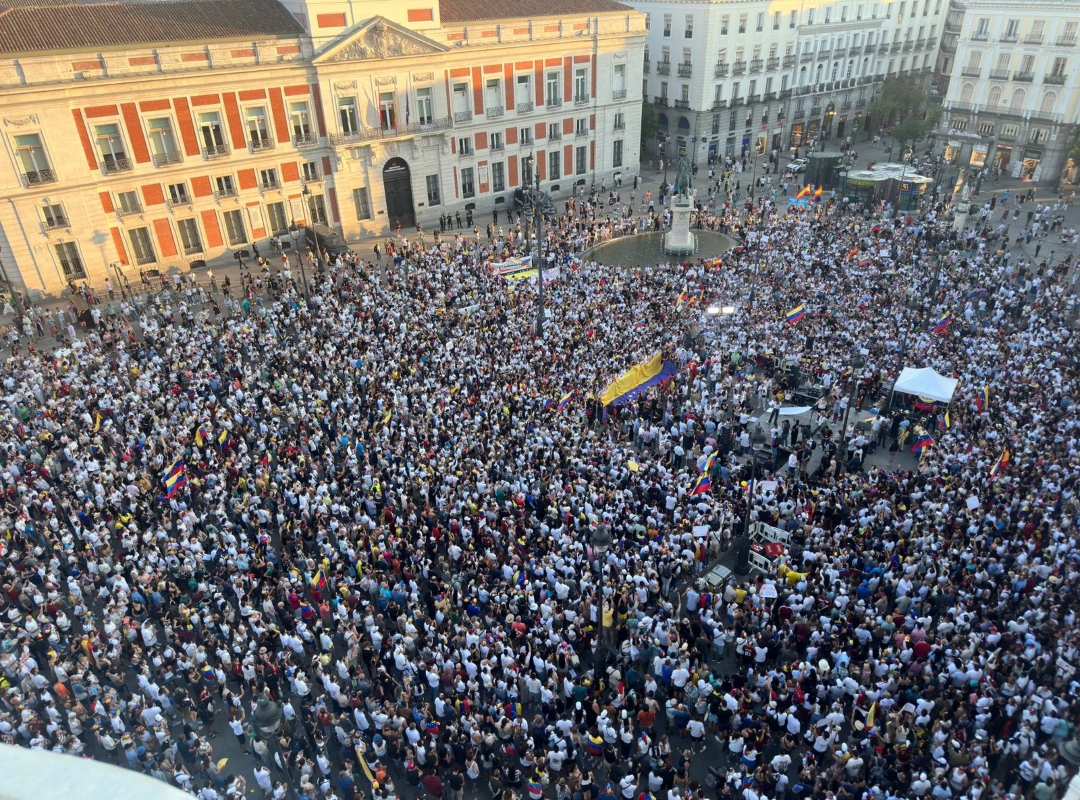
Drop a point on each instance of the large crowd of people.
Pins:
(354, 544)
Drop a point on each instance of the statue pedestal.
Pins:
(679, 241)
(960, 216)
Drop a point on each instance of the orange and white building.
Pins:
(146, 135)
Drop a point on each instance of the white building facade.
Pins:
(735, 78)
(1012, 79)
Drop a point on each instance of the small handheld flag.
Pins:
(174, 479)
(803, 192)
(924, 442)
(639, 324)
(982, 399)
(796, 314)
(943, 323)
(1001, 463)
(564, 401)
(702, 485)
(854, 251)
(682, 298)
(819, 191)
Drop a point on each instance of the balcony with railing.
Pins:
(719, 105)
(756, 64)
(908, 45)
(789, 61)
(931, 42)
(466, 152)
(799, 113)
(736, 101)
(226, 191)
(980, 36)
(581, 133)
(999, 74)
(117, 164)
(806, 55)
(269, 185)
(660, 100)
(581, 100)
(815, 111)
(646, 66)
(663, 67)
(304, 140)
(920, 44)
(753, 98)
(860, 102)
(845, 105)
(618, 94)
(721, 70)
(868, 49)
(948, 45)
(552, 102)
(554, 134)
(773, 63)
(494, 112)
(368, 134)
(525, 108)
(1024, 77)
(56, 223)
(1054, 78)
(1066, 41)
(1009, 38)
(164, 159)
(953, 25)
(824, 52)
(1033, 38)
(178, 199)
(686, 69)
(854, 50)
(883, 48)
(261, 145)
(769, 96)
(620, 124)
(193, 250)
(738, 68)
(785, 94)
(896, 47)
(683, 104)
(464, 115)
(971, 72)
(212, 151)
(496, 146)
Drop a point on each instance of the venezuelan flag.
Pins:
(982, 399)
(590, 332)
(564, 401)
(924, 404)
(637, 380)
(319, 581)
(201, 435)
(922, 443)
(796, 314)
(710, 462)
(548, 403)
(702, 485)
(174, 479)
(224, 437)
(639, 324)
(1001, 463)
(943, 323)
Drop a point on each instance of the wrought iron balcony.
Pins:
(554, 134)
(684, 104)
(660, 100)
(580, 133)
(773, 64)
(56, 223)
(738, 68)
(769, 96)
(618, 94)
(756, 64)
(719, 105)
(581, 100)
(494, 112)
(789, 61)
(785, 94)
(164, 159)
(663, 68)
(367, 134)
(1057, 80)
(37, 177)
(215, 151)
(193, 250)
(463, 116)
(304, 139)
(117, 164)
(466, 152)
(721, 70)
(980, 36)
(1009, 38)
(554, 102)
(971, 72)
(999, 74)
(1066, 41)
(260, 145)
(1024, 77)
(228, 191)
(524, 108)
(647, 67)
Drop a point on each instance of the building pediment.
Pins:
(377, 40)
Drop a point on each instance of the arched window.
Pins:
(1048, 101)
(684, 124)
(803, 76)
(661, 120)
(1018, 98)
(966, 92)
(995, 96)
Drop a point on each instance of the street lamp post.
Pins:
(311, 224)
(294, 231)
(119, 279)
(857, 363)
(725, 312)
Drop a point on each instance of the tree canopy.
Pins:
(904, 99)
(648, 121)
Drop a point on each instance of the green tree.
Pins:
(649, 125)
(903, 100)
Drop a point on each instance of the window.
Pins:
(387, 111)
(278, 219)
(620, 121)
(581, 85)
(554, 131)
(211, 134)
(1012, 30)
(32, 159)
(234, 227)
(350, 120)
(688, 33)
(493, 93)
(1027, 65)
(53, 216)
(810, 17)
(776, 21)
(67, 253)
(667, 24)
(163, 147)
(434, 197)
(554, 165)
(189, 236)
(460, 101)
(468, 182)
(648, 22)
(258, 129)
(317, 208)
(310, 171)
(525, 135)
(581, 127)
(464, 146)
(792, 20)
(581, 160)
(224, 186)
(684, 92)
(425, 108)
(523, 93)
(616, 153)
(986, 128)
(742, 23)
(128, 202)
(142, 246)
(110, 147)
(495, 140)
(760, 21)
(618, 84)
(715, 124)
(178, 194)
(268, 178)
(300, 120)
(498, 176)
(552, 94)
(843, 14)
(724, 22)
(1058, 70)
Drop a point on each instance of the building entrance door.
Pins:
(397, 185)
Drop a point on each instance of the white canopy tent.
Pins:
(926, 383)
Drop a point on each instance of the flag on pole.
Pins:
(854, 251)
(702, 485)
(803, 192)
(796, 314)
(924, 442)
(319, 581)
(174, 479)
(564, 401)
(943, 323)
(1001, 463)
(408, 110)
(682, 298)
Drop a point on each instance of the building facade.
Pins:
(1009, 82)
(149, 135)
(743, 78)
